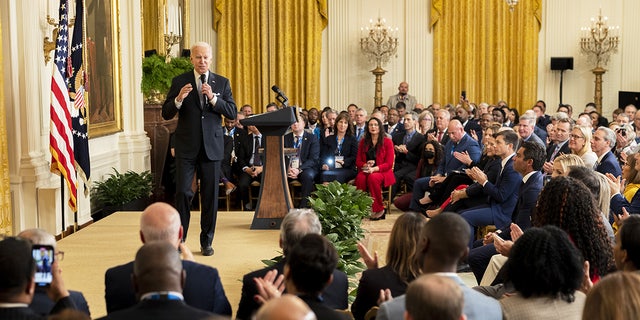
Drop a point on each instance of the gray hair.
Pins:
(38, 236)
(295, 225)
(413, 115)
(531, 121)
(609, 135)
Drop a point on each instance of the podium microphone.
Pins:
(283, 98)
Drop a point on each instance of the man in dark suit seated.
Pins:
(41, 302)
(17, 282)
(408, 148)
(528, 162)
(304, 165)
(503, 195)
(560, 145)
(202, 288)
(307, 273)
(250, 161)
(158, 278)
(604, 139)
(296, 224)
(287, 307)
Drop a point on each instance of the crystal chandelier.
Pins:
(599, 41)
(512, 4)
(378, 43)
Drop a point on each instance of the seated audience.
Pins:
(17, 282)
(407, 152)
(626, 250)
(287, 307)
(375, 165)
(632, 177)
(338, 154)
(604, 139)
(562, 163)
(580, 145)
(434, 297)
(401, 266)
(307, 272)
(439, 253)
(303, 166)
(158, 279)
(546, 270)
(202, 287)
(41, 302)
(616, 297)
(430, 158)
(618, 202)
(296, 224)
(425, 122)
(598, 184)
(250, 160)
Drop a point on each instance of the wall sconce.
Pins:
(172, 28)
(49, 45)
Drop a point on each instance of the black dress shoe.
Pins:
(207, 251)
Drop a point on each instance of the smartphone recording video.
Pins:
(43, 255)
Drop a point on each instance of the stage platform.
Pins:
(238, 250)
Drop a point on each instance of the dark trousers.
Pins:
(209, 174)
(407, 173)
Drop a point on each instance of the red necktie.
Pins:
(440, 133)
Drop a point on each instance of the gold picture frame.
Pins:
(103, 69)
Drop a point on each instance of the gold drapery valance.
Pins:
(267, 42)
(483, 48)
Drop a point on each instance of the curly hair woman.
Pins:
(568, 204)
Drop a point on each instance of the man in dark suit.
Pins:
(304, 165)
(459, 141)
(408, 149)
(202, 287)
(308, 271)
(439, 133)
(17, 282)
(393, 126)
(158, 278)
(503, 195)
(471, 126)
(528, 162)
(604, 139)
(250, 161)
(560, 144)
(296, 224)
(41, 302)
(200, 98)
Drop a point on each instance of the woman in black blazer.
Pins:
(338, 154)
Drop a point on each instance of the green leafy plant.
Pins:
(121, 188)
(341, 208)
(157, 74)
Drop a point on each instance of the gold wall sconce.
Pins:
(50, 43)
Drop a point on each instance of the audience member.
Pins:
(430, 158)
(407, 147)
(158, 278)
(580, 145)
(618, 202)
(202, 287)
(561, 132)
(360, 124)
(303, 166)
(251, 161)
(434, 297)
(471, 126)
(566, 108)
(393, 125)
(307, 272)
(403, 96)
(247, 110)
(598, 184)
(439, 133)
(546, 271)
(287, 307)
(626, 250)
(17, 282)
(604, 139)
(562, 163)
(499, 116)
(296, 224)
(338, 154)
(440, 254)
(425, 122)
(41, 302)
(375, 165)
(525, 130)
(632, 177)
(616, 297)
(401, 266)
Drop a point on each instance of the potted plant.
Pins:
(341, 208)
(157, 74)
(129, 191)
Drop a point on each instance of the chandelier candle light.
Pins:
(172, 28)
(599, 41)
(379, 43)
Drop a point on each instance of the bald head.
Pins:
(456, 130)
(434, 297)
(160, 221)
(157, 268)
(287, 307)
(38, 236)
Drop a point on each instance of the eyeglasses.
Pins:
(575, 137)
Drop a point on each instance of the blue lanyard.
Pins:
(296, 144)
(339, 145)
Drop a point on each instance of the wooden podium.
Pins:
(274, 201)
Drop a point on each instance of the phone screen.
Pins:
(43, 255)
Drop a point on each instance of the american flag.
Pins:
(60, 137)
(77, 85)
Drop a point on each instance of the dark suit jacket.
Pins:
(415, 147)
(450, 163)
(335, 295)
(371, 282)
(309, 150)
(609, 164)
(503, 195)
(492, 170)
(43, 305)
(563, 150)
(534, 138)
(398, 129)
(322, 311)
(527, 199)
(202, 288)
(349, 151)
(244, 150)
(618, 202)
(159, 310)
(445, 136)
(473, 125)
(26, 313)
(198, 126)
(541, 133)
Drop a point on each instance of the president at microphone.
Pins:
(200, 98)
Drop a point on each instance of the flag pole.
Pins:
(62, 186)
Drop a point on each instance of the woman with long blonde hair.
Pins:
(580, 145)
